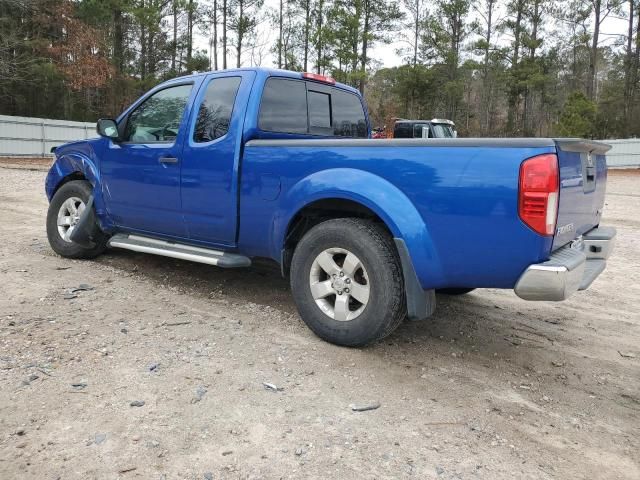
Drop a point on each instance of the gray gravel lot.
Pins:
(157, 369)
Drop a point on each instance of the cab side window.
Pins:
(216, 108)
(157, 119)
(284, 106)
(299, 107)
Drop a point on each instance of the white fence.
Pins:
(34, 137)
(624, 153)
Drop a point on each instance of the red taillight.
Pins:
(318, 78)
(538, 195)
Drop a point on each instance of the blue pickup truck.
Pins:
(226, 167)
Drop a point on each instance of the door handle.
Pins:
(168, 160)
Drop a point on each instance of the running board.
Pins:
(179, 250)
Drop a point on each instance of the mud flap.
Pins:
(87, 228)
(420, 303)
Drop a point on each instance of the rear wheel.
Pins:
(455, 291)
(347, 282)
(63, 215)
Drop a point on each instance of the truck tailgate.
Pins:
(583, 177)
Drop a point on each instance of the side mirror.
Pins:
(108, 128)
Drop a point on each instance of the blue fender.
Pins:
(374, 192)
(78, 159)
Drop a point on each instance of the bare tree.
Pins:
(225, 11)
(601, 10)
(242, 22)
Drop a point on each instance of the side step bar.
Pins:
(154, 246)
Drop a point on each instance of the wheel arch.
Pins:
(336, 193)
(75, 175)
(319, 211)
(68, 167)
(78, 165)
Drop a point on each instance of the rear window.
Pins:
(319, 109)
(295, 106)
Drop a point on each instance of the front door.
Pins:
(141, 174)
(211, 158)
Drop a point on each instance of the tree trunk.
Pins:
(151, 63)
(514, 94)
(456, 32)
(486, 83)
(190, 8)
(528, 120)
(175, 35)
(143, 48)
(240, 32)
(628, 73)
(635, 71)
(319, 45)
(224, 34)
(355, 38)
(591, 81)
(118, 40)
(307, 28)
(215, 34)
(280, 38)
(416, 33)
(365, 44)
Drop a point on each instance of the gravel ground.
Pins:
(161, 369)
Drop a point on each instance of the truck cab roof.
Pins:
(270, 72)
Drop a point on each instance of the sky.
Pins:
(613, 30)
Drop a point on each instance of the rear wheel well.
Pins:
(320, 211)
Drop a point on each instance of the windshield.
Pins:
(442, 130)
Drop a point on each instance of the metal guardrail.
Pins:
(34, 137)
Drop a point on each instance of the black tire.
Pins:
(386, 305)
(80, 189)
(455, 291)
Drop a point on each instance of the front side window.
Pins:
(294, 106)
(157, 119)
(215, 111)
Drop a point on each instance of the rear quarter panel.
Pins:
(466, 200)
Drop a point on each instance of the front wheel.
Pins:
(63, 215)
(347, 282)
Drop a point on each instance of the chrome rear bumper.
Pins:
(569, 269)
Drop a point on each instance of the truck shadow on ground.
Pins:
(472, 324)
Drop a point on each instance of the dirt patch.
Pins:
(624, 172)
(156, 368)
(29, 163)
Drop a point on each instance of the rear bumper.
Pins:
(569, 269)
